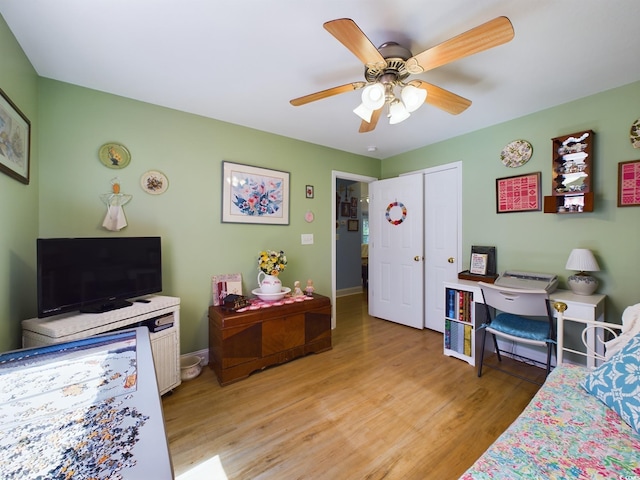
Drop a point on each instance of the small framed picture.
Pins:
(354, 201)
(354, 212)
(309, 191)
(629, 183)
(345, 209)
(479, 263)
(352, 226)
(223, 285)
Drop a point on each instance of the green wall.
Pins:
(70, 123)
(539, 242)
(189, 150)
(19, 212)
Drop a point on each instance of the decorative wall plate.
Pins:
(634, 134)
(154, 182)
(516, 153)
(309, 216)
(114, 155)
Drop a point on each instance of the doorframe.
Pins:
(335, 175)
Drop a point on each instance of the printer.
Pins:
(528, 280)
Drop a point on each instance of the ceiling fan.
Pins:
(388, 67)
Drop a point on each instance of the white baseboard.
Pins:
(348, 291)
(203, 354)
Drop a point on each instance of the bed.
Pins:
(583, 423)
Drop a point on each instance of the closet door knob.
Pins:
(451, 260)
(416, 258)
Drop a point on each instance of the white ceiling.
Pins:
(242, 61)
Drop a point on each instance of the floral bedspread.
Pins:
(564, 433)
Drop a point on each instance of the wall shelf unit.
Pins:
(572, 174)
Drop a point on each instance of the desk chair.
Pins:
(523, 316)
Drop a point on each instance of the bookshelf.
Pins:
(462, 317)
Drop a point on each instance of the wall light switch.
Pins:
(306, 238)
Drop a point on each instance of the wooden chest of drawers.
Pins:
(241, 343)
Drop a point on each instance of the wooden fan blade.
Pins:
(488, 35)
(330, 92)
(349, 34)
(442, 99)
(370, 126)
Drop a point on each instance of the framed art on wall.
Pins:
(520, 193)
(15, 140)
(629, 183)
(254, 195)
(309, 191)
(345, 209)
(352, 225)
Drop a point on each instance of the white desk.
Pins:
(587, 307)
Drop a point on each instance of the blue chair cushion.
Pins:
(522, 327)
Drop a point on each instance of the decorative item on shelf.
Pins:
(297, 291)
(309, 289)
(226, 284)
(516, 153)
(235, 302)
(583, 261)
(115, 219)
(114, 155)
(271, 263)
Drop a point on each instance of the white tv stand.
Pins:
(165, 344)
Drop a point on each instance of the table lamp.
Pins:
(582, 260)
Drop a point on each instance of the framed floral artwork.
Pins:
(254, 195)
(520, 193)
(15, 140)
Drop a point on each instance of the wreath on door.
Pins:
(403, 215)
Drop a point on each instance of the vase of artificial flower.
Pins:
(269, 283)
(271, 263)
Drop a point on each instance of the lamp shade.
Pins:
(363, 112)
(413, 97)
(397, 113)
(373, 96)
(582, 260)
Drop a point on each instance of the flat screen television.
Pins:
(95, 275)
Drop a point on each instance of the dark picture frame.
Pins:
(519, 193)
(308, 191)
(352, 225)
(345, 209)
(629, 183)
(15, 140)
(254, 195)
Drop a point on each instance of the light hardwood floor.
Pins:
(384, 403)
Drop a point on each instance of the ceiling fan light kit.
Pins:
(389, 65)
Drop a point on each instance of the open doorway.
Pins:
(344, 227)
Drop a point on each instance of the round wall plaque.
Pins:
(154, 182)
(516, 153)
(114, 155)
